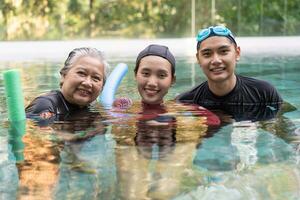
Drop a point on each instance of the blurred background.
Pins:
(91, 19)
(36, 37)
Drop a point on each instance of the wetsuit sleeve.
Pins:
(186, 97)
(40, 105)
(192, 95)
(275, 96)
(269, 94)
(258, 91)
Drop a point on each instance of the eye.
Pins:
(81, 73)
(224, 51)
(162, 75)
(97, 78)
(145, 73)
(206, 54)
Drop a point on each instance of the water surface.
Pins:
(173, 155)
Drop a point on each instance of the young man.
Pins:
(239, 96)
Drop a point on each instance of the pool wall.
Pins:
(126, 48)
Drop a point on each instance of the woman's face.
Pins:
(154, 78)
(83, 82)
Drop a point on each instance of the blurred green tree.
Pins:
(78, 19)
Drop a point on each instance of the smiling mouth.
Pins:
(218, 69)
(151, 91)
(84, 92)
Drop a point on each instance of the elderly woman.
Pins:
(82, 79)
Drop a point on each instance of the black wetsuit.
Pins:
(251, 99)
(55, 103)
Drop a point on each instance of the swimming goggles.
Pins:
(214, 31)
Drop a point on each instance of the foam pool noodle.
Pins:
(16, 131)
(14, 95)
(113, 81)
(16, 112)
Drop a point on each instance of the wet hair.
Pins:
(77, 53)
(156, 50)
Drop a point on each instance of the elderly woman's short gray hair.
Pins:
(77, 53)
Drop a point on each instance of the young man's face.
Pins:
(154, 78)
(217, 56)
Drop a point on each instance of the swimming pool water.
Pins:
(101, 156)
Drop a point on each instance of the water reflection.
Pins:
(156, 138)
(16, 131)
(87, 160)
(38, 172)
(243, 161)
(157, 153)
(88, 170)
(244, 113)
(62, 156)
(11, 154)
(78, 157)
(240, 146)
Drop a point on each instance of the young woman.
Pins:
(155, 74)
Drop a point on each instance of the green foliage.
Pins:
(74, 19)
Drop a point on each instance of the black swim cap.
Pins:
(156, 50)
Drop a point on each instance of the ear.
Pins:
(238, 53)
(62, 79)
(173, 80)
(135, 76)
(197, 56)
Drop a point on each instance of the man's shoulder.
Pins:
(189, 95)
(255, 83)
(260, 89)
